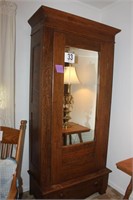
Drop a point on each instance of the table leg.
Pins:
(128, 190)
(80, 137)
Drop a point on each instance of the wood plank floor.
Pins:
(110, 194)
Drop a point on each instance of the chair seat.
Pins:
(7, 169)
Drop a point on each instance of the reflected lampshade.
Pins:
(70, 75)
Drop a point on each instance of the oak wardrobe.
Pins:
(62, 167)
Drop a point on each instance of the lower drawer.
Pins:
(80, 190)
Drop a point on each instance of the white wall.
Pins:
(121, 128)
(24, 11)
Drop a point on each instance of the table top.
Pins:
(126, 166)
(75, 128)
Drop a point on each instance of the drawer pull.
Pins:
(61, 195)
(96, 183)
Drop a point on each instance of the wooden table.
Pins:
(74, 128)
(127, 167)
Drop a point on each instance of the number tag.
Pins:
(69, 57)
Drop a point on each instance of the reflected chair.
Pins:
(11, 146)
(127, 167)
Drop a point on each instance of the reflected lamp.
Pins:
(70, 78)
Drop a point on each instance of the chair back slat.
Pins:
(7, 150)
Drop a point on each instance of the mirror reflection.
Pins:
(80, 92)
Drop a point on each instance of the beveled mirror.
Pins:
(80, 95)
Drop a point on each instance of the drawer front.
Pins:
(77, 191)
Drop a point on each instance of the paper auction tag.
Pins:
(59, 69)
(69, 57)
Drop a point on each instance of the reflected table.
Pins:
(73, 128)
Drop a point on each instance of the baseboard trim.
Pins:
(25, 188)
(119, 189)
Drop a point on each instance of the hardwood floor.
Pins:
(110, 194)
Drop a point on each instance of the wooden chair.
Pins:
(12, 145)
(127, 167)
